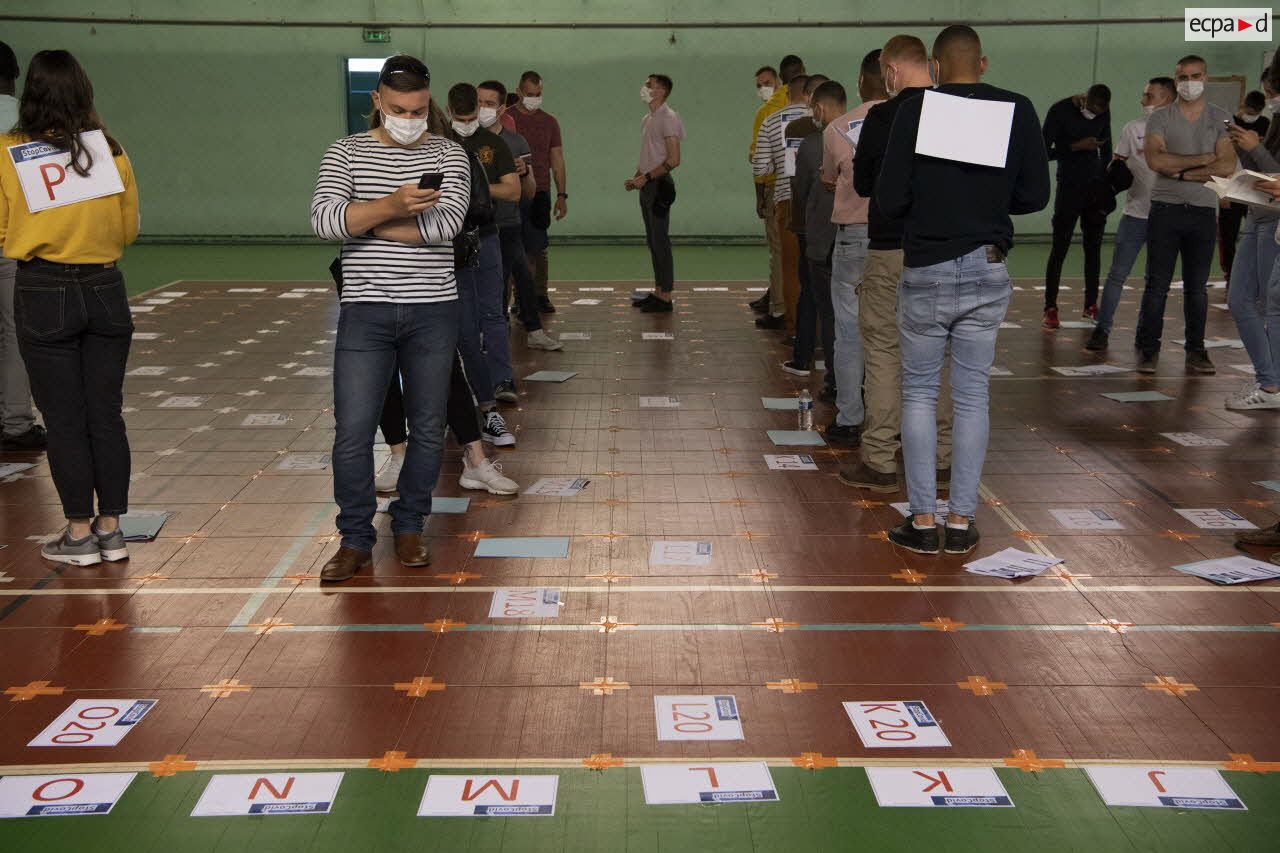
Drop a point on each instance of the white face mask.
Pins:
(1148, 109)
(532, 104)
(817, 120)
(1274, 103)
(646, 94)
(487, 116)
(1249, 119)
(765, 92)
(405, 131)
(1088, 114)
(1190, 90)
(466, 128)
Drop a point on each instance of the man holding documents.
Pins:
(1186, 145)
(960, 160)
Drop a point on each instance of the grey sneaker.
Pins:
(73, 552)
(112, 545)
(1267, 537)
(1198, 362)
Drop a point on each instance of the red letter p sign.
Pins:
(52, 174)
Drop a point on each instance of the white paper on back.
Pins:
(968, 130)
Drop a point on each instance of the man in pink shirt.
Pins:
(840, 140)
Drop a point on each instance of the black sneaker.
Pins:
(848, 436)
(1147, 362)
(907, 535)
(1097, 340)
(863, 476)
(761, 305)
(657, 306)
(961, 541)
(1198, 362)
(768, 321)
(944, 478)
(545, 306)
(636, 300)
(506, 393)
(34, 438)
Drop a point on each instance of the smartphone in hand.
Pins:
(431, 181)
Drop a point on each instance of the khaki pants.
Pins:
(777, 304)
(882, 383)
(789, 259)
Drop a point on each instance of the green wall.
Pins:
(226, 124)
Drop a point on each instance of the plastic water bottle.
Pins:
(806, 410)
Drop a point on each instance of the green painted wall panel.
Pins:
(226, 125)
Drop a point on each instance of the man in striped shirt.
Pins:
(399, 303)
(769, 160)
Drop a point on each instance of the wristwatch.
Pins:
(562, 195)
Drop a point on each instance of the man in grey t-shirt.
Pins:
(1186, 144)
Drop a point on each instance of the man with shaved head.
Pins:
(955, 285)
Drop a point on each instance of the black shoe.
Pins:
(768, 321)
(862, 476)
(545, 306)
(506, 393)
(907, 535)
(961, 541)
(847, 436)
(639, 301)
(1147, 362)
(761, 305)
(1198, 362)
(657, 306)
(1097, 340)
(827, 394)
(34, 438)
(944, 478)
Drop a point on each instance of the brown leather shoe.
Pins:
(412, 551)
(344, 565)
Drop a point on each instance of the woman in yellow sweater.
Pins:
(68, 207)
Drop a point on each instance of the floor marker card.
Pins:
(314, 371)
(525, 603)
(575, 336)
(557, 487)
(142, 309)
(266, 420)
(148, 371)
(94, 722)
(1164, 787)
(449, 506)
(1000, 371)
(188, 402)
(524, 546)
(156, 301)
(585, 302)
(659, 402)
(1246, 369)
(941, 508)
(1008, 325)
(674, 784)
(1217, 343)
(246, 290)
(143, 525)
(303, 462)
(8, 469)
(895, 725)
(781, 404)
(1273, 485)
(796, 437)
(931, 787)
(1011, 563)
(657, 336)
(1136, 396)
(1231, 570)
(146, 336)
(1085, 519)
(172, 294)
(680, 554)
(697, 718)
(62, 795)
(235, 794)
(1077, 324)
(551, 376)
(1191, 439)
(493, 796)
(1216, 519)
(1092, 369)
(790, 462)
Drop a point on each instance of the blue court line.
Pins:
(257, 599)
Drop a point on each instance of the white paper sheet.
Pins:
(968, 130)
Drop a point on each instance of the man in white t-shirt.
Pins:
(21, 432)
(1131, 234)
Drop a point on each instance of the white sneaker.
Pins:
(538, 339)
(495, 430)
(389, 475)
(487, 476)
(1253, 397)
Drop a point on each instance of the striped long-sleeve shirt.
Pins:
(769, 157)
(360, 168)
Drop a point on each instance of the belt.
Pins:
(42, 263)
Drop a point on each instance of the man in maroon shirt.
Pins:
(542, 132)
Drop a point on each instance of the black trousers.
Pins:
(1071, 205)
(74, 331)
(515, 267)
(657, 233)
(1172, 230)
(460, 411)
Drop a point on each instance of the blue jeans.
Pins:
(1131, 236)
(483, 326)
(373, 338)
(1254, 300)
(848, 260)
(963, 302)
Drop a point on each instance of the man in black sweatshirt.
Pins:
(904, 65)
(955, 285)
(1077, 133)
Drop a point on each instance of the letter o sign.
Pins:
(77, 785)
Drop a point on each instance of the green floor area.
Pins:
(151, 265)
(832, 809)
